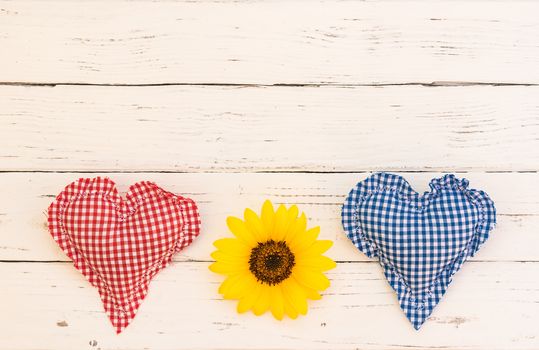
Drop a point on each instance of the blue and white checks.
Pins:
(420, 240)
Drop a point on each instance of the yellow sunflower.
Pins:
(273, 263)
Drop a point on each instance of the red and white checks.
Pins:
(120, 244)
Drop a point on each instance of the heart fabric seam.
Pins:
(122, 312)
(401, 191)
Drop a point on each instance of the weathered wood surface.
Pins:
(286, 42)
(320, 196)
(233, 102)
(269, 129)
(489, 306)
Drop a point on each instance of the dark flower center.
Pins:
(271, 262)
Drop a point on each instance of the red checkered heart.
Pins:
(119, 244)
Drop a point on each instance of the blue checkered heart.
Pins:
(421, 241)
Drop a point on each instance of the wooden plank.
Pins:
(25, 197)
(200, 129)
(489, 306)
(268, 42)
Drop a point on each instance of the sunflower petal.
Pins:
(227, 282)
(292, 213)
(226, 256)
(280, 223)
(239, 229)
(317, 248)
(226, 268)
(297, 228)
(254, 225)
(262, 304)
(304, 241)
(309, 292)
(277, 302)
(239, 287)
(232, 246)
(268, 217)
(312, 294)
(246, 303)
(295, 295)
(311, 278)
(319, 262)
(289, 309)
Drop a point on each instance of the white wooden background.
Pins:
(233, 102)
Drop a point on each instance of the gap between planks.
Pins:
(299, 171)
(224, 84)
(211, 261)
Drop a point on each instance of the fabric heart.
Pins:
(421, 241)
(119, 244)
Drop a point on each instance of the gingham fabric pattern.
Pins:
(421, 241)
(120, 244)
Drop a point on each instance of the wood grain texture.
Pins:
(287, 42)
(233, 102)
(55, 304)
(200, 129)
(320, 196)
